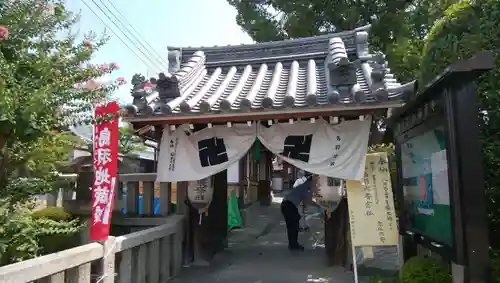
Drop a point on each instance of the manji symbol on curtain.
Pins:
(105, 162)
(336, 151)
(191, 156)
(330, 150)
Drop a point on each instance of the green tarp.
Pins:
(233, 212)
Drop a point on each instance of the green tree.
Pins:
(128, 142)
(398, 27)
(467, 28)
(45, 78)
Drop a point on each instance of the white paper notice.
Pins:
(439, 167)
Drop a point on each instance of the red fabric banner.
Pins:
(105, 169)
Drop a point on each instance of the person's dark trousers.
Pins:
(292, 219)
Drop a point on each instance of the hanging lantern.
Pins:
(200, 195)
(329, 192)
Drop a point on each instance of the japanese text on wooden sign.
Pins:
(105, 160)
(371, 205)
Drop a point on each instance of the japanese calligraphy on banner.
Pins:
(189, 156)
(321, 148)
(335, 151)
(105, 169)
(371, 205)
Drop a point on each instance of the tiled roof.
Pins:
(309, 46)
(306, 72)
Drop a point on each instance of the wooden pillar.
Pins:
(243, 183)
(467, 187)
(210, 236)
(284, 176)
(243, 203)
(336, 229)
(264, 192)
(148, 198)
(182, 207)
(264, 185)
(165, 195)
(218, 212)
(84, 182)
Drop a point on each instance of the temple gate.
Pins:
(306, 89)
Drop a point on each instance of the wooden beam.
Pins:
(337, 110)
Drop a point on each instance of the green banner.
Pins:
(233, 212)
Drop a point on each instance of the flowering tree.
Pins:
(45, 79)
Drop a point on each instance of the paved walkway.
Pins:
(259, 254)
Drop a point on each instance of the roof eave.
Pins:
(287, 113)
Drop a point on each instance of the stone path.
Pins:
(259, 254)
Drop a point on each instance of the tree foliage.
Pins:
(128, 142)
(467, 28)
(24, 236)
(398, 27)
(45, 78)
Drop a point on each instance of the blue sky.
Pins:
(160, 23)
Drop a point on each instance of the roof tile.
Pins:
(304, 72)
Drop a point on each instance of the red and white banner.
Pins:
(105, 169)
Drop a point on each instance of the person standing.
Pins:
(302, 178)
(289, 208)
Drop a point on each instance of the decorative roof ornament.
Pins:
(168, 89)
(342, 78)
(378, 72)
(374, 68)
(378, 67)
(137, 82)
(141, 92)
(174, 61)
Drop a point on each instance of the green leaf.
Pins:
(467, 28)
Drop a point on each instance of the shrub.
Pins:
(495, 270)
(58, 235)
(468, 27)
(377, 279)
(18, 235)
(58, 230)
(424, 270)
(53, 213)
(25, 235)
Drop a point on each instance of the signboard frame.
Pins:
(436, 118)
(453, 95)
